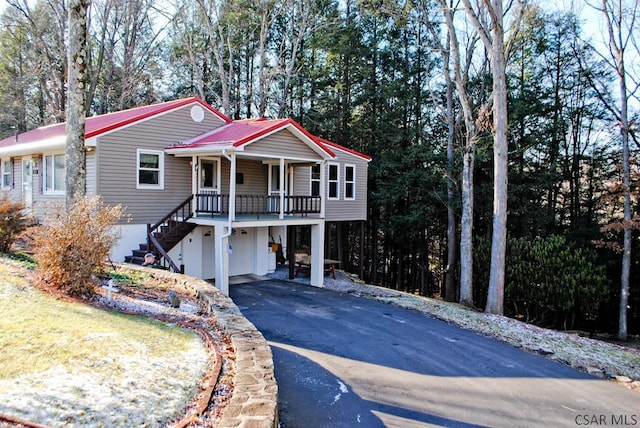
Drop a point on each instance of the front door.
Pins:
(275, 185)
(27, 182)
(209, 184)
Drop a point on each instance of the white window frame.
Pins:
(45, 183)
(336, 181)
(6, 172)
(352, 183)
(160, 184)
(315, 180)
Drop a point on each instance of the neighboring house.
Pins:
(216, 192)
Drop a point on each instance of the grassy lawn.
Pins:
(70, 363)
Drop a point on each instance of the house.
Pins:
(208, 195)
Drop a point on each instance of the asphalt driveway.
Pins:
(345, 361)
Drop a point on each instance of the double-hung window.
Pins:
(150, 174)
(315, 180)
(334, 181)
(350, 182)
(6, 173)
(55, 174)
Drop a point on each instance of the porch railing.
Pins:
(218, 204)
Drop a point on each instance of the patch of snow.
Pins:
(343, 390)
(134, 390)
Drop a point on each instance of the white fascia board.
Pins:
(42, 146)
(273, 159)
(91, 142)
(201, 151)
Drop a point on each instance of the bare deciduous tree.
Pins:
(221, 45)
(469, 118)
(76, 110)
(487, 16)
(620, 18)
(47, 26)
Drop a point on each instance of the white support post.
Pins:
(323, 187)
(290, 173)
(317, 255)
(194, 183)
(232, 188)
(222, 263)
(282, 187)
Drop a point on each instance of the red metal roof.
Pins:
(236, 133)
(343, 148)
(98, 125)
(241, 132)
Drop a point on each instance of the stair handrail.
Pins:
(164, 254)
(175, 211)
(152, 242)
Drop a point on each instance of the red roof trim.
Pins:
(344, 149)
(281, 124)
(160, 108)
(98, 125)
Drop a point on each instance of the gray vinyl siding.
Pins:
(282, 144)
(346, 210)
(302, 181)
(341, 209)
(255, 177)
(91, 173)
(117, 164)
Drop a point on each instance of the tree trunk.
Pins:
(468, 159)
(626, 190)
(495, 297)
(76, 110)
(492, 35)
(620, 16)
(450, 292)
(466, 225)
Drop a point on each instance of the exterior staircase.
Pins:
(163, 236)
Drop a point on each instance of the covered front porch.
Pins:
(247, 178)
(249, 207)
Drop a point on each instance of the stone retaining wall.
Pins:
(254, 402)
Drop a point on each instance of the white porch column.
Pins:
(323, 187)
(282, 187)
(232, 188)
(194, 183)
(222, 260)
(317, 255)
(290, 173)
